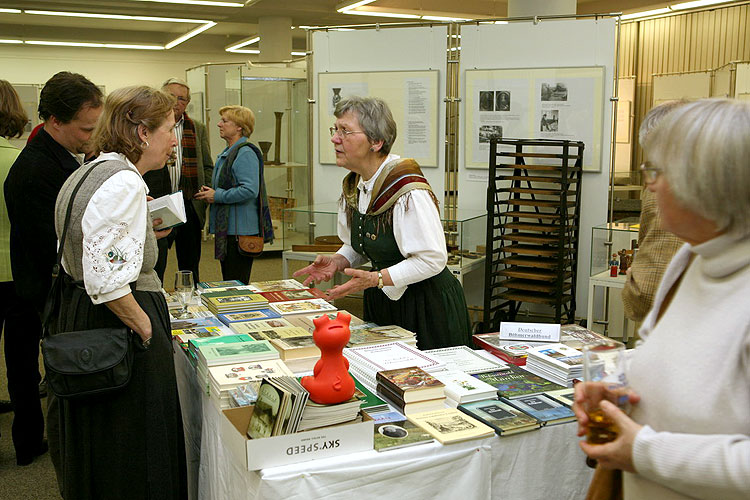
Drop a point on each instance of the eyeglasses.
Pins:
(181, 99)
(343, 133)
(649, 172)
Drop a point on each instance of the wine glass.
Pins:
(604, 363)
(183, 287)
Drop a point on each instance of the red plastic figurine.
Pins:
(331, 382)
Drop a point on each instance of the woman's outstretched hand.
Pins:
(322, 269)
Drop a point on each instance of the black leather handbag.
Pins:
(87, 362)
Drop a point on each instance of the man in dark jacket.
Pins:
(69, 105)
(191, 168)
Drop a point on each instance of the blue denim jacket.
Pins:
(243, 197)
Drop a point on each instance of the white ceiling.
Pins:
(233, 24)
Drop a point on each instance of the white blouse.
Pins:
(114, 228)
(418, 233)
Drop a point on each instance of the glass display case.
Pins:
(313, 229)
(278, 98)
(612, 238)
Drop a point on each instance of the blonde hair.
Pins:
(702, 149)
(13, 117)
(124, 110)
(242, 116)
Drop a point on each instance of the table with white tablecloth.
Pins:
(542, 464)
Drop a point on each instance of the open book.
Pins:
(170, 209)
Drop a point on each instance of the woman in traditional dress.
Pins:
(389, 216)
(126, 443)
(234, 198)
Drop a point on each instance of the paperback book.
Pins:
(258, 324)
(399, 434)
(465, 359)
(370, 335)
(277, 285)
(260, 314)
(306, 320)
(543, 408)
(170, 209)
(291, 348)
(206, 285)
(302, 307)
(450, 425)
(241, 352)
(501, 416)
(366, 361)
(564, 396)
(290, 295)
(182, 324)
(233, 301)
(460, 387)
(556, 362)
(278, 409)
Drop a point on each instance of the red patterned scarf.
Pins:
(189, 174)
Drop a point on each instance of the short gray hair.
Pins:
(374, 117)
(703, 150)
(175, 81)
(654, 116)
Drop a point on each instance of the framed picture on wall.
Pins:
(534, 103)
(412, 97)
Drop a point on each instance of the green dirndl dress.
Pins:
(435, 308)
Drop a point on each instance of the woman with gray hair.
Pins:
(389, 216)
(670, 447)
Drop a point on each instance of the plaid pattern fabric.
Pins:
(656, 247)
(189, 174)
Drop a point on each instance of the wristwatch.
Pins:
(380, 280)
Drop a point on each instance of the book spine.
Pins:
(388, 383)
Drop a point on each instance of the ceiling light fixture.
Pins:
(443, 18)
(11, 11)
(204, 25)
(298, 53)
(93, 45)
(646, 13)
(697, 3)
(11, 41)
(672, 8)
(343, 7)
(197, 2)
(380, 14)
(242, 43)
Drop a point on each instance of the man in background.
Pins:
(190, 168)
(656, 247)
(69, 105)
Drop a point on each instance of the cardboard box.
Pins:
(292, 448)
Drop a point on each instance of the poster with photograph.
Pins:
(535, 103)
(412, 97)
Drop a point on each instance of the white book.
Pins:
(389, 356)
(466, 360)
(227, 376)
(302, 307)
(276, 285)
(558, 357)
(463, 388)
(170, 209)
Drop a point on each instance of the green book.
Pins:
(515, 381)
(399, 434)
(370, 401)
(501, 416)
(222, 354)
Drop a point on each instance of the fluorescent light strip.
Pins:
(380, 14)
(190, 34)
(244, 51)
(646, 13)
(11, 11)
(93, 45)
(114, 16)
(442, 18)
(11, 41)
(197, 2)
(242, 43)
(298, 53)
(352, 5)
(697, 3)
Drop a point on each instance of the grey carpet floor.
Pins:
(37, 481)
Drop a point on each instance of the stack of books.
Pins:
(227, 350)
(372, 334)
(511, 351)
(309, 306)
(276, 285)
(230, 301)
(225, 378)
(556, 362)
(411, 390)
(366, 361)
(460, 387)
(318, 415)
(278, 409)
(501, 416)
(466, 360)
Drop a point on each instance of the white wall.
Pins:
(549, 44)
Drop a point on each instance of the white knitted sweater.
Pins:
(693, 375)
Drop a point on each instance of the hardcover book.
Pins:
(411, 384)
(218, 284)
(218, 354)
(280, 333)
(296, 347)
(302, 306)
(399, 434)
(408, 408)
(260, 314)
(450, 425)
(564, 396)
(543, 408)
(366, 361)
(516, 381)
(170, 209)
(258, 324)
(277, 285)
(369, 335)
(289, 295)
(306, 320)
(182, 324)
(502, 417)
(460, 387)
(202, 331)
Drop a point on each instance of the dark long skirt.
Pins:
(435, 309)
(127, 444)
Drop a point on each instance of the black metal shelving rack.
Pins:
(533, 209)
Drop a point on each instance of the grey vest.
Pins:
(73, 251)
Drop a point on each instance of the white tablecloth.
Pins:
(542, 464)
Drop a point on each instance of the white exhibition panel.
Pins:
(367, 51)
(742, 81)
(683, 86)
(548, 44)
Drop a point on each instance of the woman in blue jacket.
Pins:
(234, 197)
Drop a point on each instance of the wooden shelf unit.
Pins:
(532, 227)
